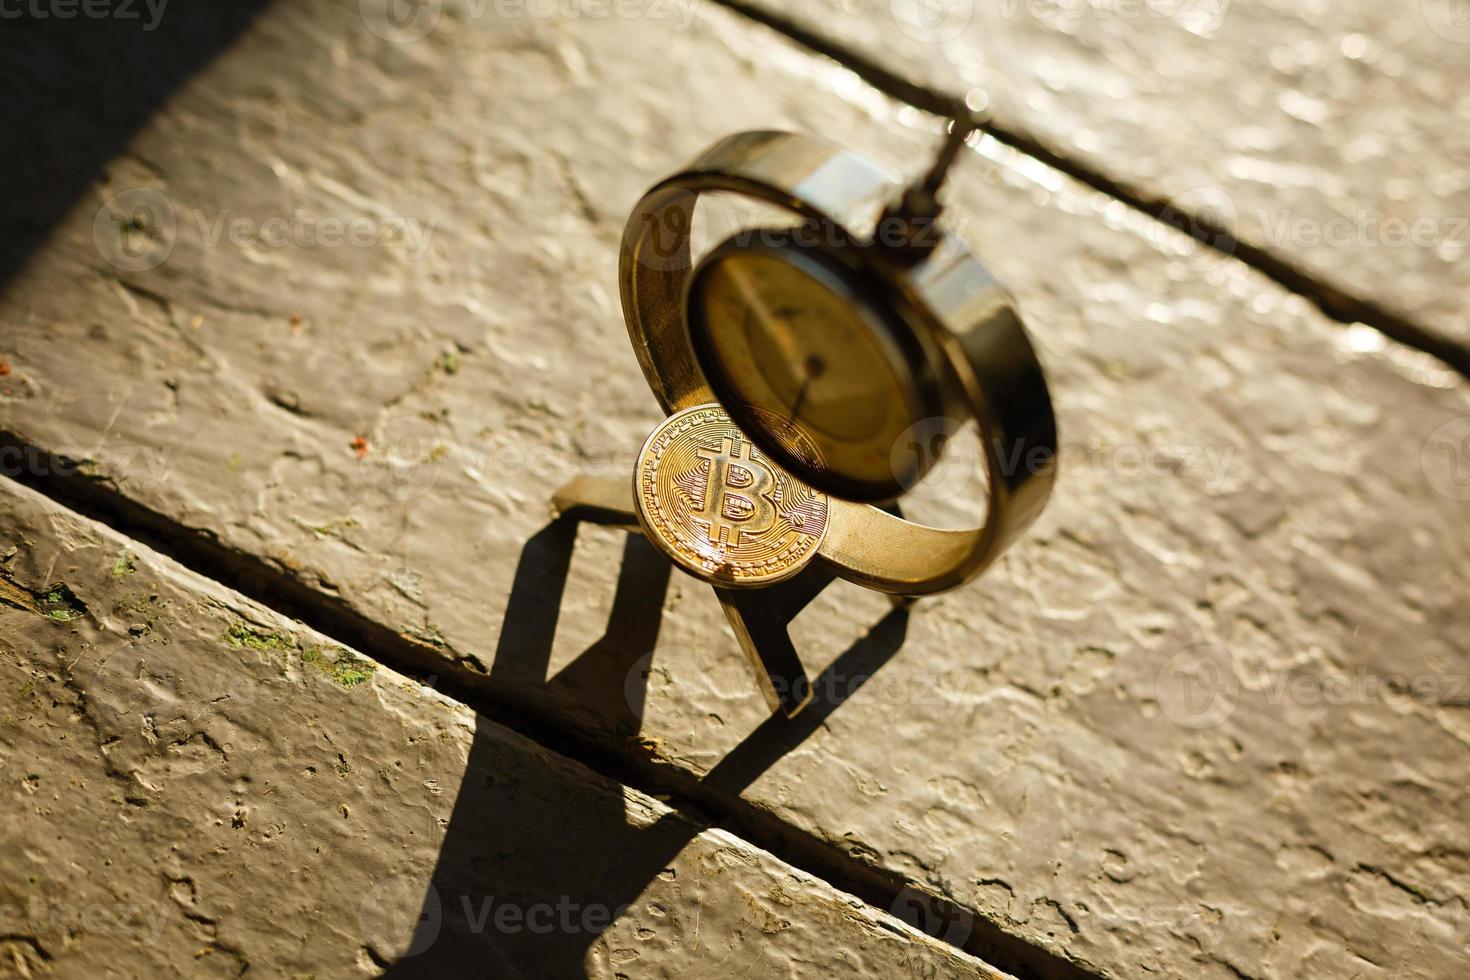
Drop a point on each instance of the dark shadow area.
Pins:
(601, 681)
(582, 853)
(78, 87)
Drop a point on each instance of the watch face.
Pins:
(802, 362)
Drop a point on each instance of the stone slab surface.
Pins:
(1251, 497)
(195, 787)
(1329, 133)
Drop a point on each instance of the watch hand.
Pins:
(800, 398)
(813, 369)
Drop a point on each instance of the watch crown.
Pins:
(908, 223)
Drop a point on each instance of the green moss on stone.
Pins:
(342, 666)
(61, 604)
(250, 638)
(337, 663)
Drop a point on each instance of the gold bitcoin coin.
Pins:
(722, 509)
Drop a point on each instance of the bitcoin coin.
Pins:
(722, 509)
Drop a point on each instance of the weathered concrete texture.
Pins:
(1239, 473)
(195, 787)
(1329, 133)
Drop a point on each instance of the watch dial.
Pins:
(782, 342)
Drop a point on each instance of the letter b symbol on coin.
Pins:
(736, 493)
